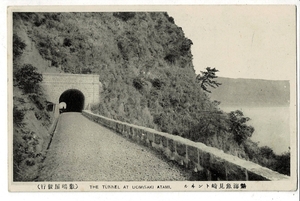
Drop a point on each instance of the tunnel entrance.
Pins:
(72, 100)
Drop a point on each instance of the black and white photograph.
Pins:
(152, 98)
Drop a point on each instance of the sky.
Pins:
(241, 41)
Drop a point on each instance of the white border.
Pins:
(120, 196)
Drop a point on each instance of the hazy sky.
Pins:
(241, 41)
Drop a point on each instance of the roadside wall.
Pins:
(208, 163)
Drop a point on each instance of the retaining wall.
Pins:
(56, 84)
(208, 163)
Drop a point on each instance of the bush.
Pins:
(171, 19)
(156, 83)
(27, 78)
(56, 16)
(137, 83)
(125, 16)
(30, 162)
(283, 163)
(171, 58)
(186, 45)
(18, 115)
(157, 119)
(238, 127)
(266, 152)
(67, 42)
(25, 16)
(44, 52)
(39, 21)
(18, 45)
(86, 71)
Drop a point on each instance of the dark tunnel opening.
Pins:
(73, 99)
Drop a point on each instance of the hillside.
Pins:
(143, 59)
(252, 92)
(145, 66)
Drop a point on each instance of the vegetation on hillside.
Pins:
(145, 66)
(27, 78)
(30, 118)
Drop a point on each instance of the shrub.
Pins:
(137, 83)
(157, 119)
(171, 58)
(186, 45)
(25, 16)
(174, 100)
(283, 163)
(27, 78)
(44, 52)
(18, 115)
(38, 115)
(39, 21)
(86, 70)
(171, 19)
(266, 152)
(56, 16)
(18, 45)
(238, 127)
(67, 42)
(54, 63)
(125, 16)
(156, 83)
(175, 131)
(30, 162)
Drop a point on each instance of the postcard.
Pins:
(152, 98)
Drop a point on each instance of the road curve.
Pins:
(82, 150)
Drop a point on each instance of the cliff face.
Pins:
(143, 59)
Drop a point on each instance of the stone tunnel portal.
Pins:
(74, 100)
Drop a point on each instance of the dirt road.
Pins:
(82, 150)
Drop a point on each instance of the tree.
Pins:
(206, 79)
(266, 152)
(27, 77)
(283, 163)
(18, 46)
(238, 126)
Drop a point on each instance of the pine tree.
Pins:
(206, 79)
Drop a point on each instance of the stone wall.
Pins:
(208, 163)
(55, 84)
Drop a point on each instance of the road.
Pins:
(82, 150)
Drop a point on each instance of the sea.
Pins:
(271, 124)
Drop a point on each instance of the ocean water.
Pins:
(272, 126)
